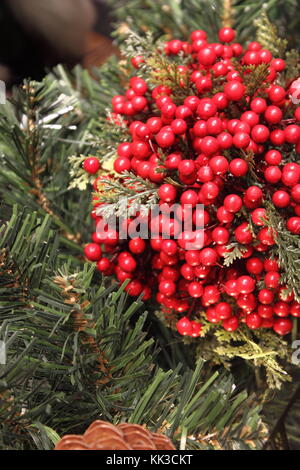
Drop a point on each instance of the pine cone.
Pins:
(101, 435)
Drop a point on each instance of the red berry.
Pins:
(265, 296)
(122, 164)
(265, 311)
(224, 216)
(245, 284)
(271, 265)
(243, 234)
(134, 288)
(178, 126)
(273, 114)
(277, 137)
(220, 235)
(283, 326)
(258, 216)
(92, 251)
(258, 105)
(230, 324)
(295, 309)
(272, 279)
(254, 193)
(293, 225)
(206, 108)
(223, 310)
(226, 34)
(292, 133)
(272, 174)
(206, 56)
(165, 138)
(103, 264)
(238, 167)
(253, 321)
(167, 288)
(184, 326)
(208, 257)
(260, 133)
(233, 203)
(281, 199)
(138, 85)
(186, 167)
(241, 140)
(127, 262)
(219, 165)
(209, 145)
(273, 157)
(195, 289)
(254, 266)
(276, 93)
(137, 245)
(91, 165)
(278, 65)
(167, 192)
(234, 90)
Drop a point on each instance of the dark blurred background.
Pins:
(37, 34)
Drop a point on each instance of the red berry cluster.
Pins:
(206, 139)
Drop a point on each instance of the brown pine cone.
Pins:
(101, 435)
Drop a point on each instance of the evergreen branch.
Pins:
(287, 249)
(234, 251)
(134, 191)
(267, 36)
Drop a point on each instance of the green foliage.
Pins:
(267, 36)
(176, 18)
(287, 249)
(235, 251)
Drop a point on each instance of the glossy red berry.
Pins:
(273, 114)
(92, 251)
(137, 245)
(184, 326)
(91, 165)
(206, 56)
(230, 324)
(234, 90)
(283, 326)
(167, 192)
(258, 105)
(260, 133)
(253, 321)
(233, 203)
(276, 93)
(243, 234)
(238, 167)
(281, 199)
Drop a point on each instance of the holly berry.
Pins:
(234, 90)
(91, 165)
(283, 326)
(92, 251)
(184, 326)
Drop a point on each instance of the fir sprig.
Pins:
(135, 192)
(234, 251)
(267, 36)
(287, 249)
